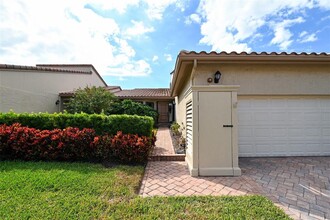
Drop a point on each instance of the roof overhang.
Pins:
(155, 98)
(185, 62)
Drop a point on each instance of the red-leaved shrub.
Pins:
(19, 142)
(130, 148)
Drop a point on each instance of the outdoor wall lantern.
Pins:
(57, 102)
(217, 76)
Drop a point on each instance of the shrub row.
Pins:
(71, 144)
(128, 124)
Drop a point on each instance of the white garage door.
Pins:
(277, 126)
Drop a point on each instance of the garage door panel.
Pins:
(314, 117)
(313, 132)
(247, 149)
(295, 116)
(247, 133)
(326, 148)
(245, 118)
(262, 133)
(326, 116)
(326, 133)
(278, 126)
(279, 132)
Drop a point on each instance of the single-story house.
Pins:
(231, 105)
(159, 99)
(251, 105)
(37, 88)
(48, 87)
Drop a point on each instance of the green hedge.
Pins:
(128, 124)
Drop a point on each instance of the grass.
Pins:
(41, 190)
(202, 207)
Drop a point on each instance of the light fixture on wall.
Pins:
(57, 102)
(217, 76)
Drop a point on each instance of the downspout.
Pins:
(193, 72)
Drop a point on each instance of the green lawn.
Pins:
(40, 190)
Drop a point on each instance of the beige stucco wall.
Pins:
(261, 79)
(252, 79)
(269, 79)
(37, 91)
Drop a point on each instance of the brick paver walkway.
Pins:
(299, 185)
(163, 143)
(167, 178)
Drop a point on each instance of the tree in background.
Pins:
(98, 100)
(130, 107)
(91, 100)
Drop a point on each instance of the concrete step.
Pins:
(171, 157)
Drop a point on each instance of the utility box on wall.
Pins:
(214, 149)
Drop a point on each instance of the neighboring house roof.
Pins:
(111, 89)
(146, 93)
(188, 60)
(71, 67)
(63, 68)
(39, 68)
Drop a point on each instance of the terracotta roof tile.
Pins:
(109, 88)
(254, 56)
(233, 53)
(131, 93)
(69, 66)
(39, 68)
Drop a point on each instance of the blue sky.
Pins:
(134, 43)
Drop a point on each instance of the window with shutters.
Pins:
(189, 124)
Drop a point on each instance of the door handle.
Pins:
(228, 126)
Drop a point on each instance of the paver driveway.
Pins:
(300, 185)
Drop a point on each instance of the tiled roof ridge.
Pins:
(160, 92)
(40, 68)
(75, 65)
(112, 87)
(144, 92)
(64, 65)
(186, 52)
(147, 88)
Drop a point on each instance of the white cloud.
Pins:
(66, 32)
(303, 33)
(155, 58)
(193, 18)
(138, 68)
(283, 34)
(304, 37)
(156, 8)
(226, 25)
(153, 8)
(325, 18)
(138, 29)
(168, 57)
(325, 4)
(118, 5)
